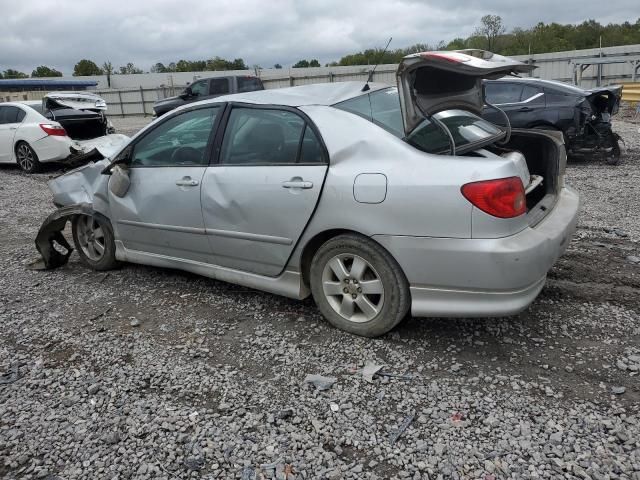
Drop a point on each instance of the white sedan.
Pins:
(30, 139)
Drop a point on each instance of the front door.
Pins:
(259, 197)
(161, 212)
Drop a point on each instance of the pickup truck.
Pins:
(208, 88)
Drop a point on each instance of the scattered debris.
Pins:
(369, 370)
(248, 473)
(11, 376)
(618, 390)
(320, 382)
(135, 322)
(633, 259)
(396, 434)
(334, 407)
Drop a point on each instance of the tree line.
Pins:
(491, 34)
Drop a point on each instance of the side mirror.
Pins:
(186, 93)
(119, 182)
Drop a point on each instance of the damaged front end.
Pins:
(52, 245)
(595, 133)
(95, 149)
(82, 191)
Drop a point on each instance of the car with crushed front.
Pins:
(375, 200)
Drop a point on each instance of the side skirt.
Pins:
(288, 284)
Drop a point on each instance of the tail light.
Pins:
(502, 198)
(53, 130)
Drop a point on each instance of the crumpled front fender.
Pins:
(50, 236)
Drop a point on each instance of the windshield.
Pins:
(382, 107)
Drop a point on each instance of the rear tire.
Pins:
(358, 286)
(94, 241)
(27, 158)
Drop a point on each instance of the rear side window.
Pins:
(499, 93)
(528, 94)
(10, 114)
(249, 84)
(381, 107)
(268, 136)
(218, 86)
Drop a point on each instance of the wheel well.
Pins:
(312, 247)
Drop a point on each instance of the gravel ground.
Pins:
(150, 373)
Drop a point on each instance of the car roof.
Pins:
(28, 103)
(314, 94)
(545, 83)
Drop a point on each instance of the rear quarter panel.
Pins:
(423, 191)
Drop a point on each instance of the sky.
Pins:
(58, 33)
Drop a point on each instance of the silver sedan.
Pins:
(376, 200)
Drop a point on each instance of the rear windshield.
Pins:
(382, 107)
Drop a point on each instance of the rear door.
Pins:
(258, 198)
(9, 123)
(160, 213)
(524, 104)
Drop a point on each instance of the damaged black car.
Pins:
(583, 116)
(82, 114)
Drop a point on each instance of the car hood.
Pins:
(430, 82)
(168, 100)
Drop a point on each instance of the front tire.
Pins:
(94, 241)
(358, 286)
(27, 158)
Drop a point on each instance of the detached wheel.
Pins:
(94, 240)
(27, 158)
(358, 286)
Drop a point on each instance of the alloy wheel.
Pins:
(91, 238)
(25, 156)
(353, 288)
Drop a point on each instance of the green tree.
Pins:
(491, 28)
(86, 68)
(314, 63)
(107, 67)
(44, 71)
(10, 73)
(277, 66)
(129, 69)
(301, 64)
(159, 68)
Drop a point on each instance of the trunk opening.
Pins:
(545, 159)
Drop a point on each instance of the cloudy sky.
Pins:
(59, 33)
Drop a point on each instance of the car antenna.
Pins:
(366, 85)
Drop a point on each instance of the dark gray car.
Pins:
(208, 88)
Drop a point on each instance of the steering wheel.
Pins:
(186, 155)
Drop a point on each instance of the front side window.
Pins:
(199, 88)
(219, 86)
(499, 93)
(179, 141)
(267, 136)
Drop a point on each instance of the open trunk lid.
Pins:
(430, 82)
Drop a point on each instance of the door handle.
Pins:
(187, 182)
(297, 184)
(13, 128)
(525, 109)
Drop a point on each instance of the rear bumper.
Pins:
(52, 148)
(483, 277)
